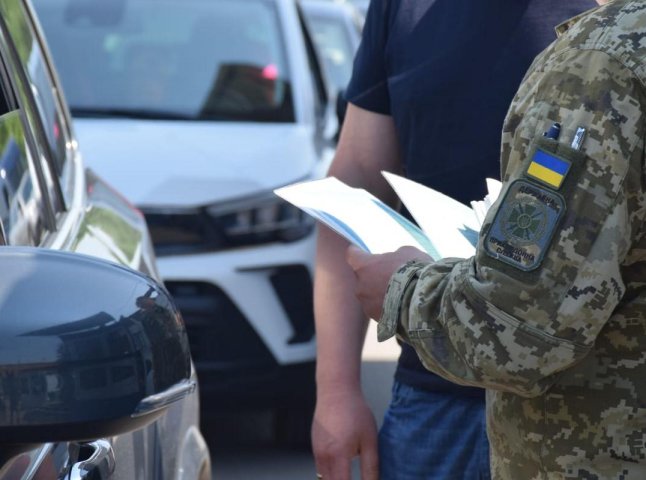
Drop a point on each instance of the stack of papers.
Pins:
(447, 228)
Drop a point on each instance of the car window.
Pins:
(318, 80)
(33, 142)
(175, 59)
(21, 201)
(335, 47)
(51, 119)
(38, 98)
(42, 89)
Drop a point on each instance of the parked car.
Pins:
(96, 379)
(336, 29)
(196, 110)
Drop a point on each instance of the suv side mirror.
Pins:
(88, 349)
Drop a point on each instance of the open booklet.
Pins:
(447, 228)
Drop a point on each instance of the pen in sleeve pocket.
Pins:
(554, 131)
(578, 138)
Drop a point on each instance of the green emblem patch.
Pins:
(524, 225)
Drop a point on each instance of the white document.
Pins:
(448, 228)
(357, 215)
(451, 226)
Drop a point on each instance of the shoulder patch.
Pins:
(524, 225)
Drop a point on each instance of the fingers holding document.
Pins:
(373, 273)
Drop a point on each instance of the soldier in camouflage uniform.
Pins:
(550, 314)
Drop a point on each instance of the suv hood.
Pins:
(184, 164)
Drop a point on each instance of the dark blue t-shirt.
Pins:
(447, 70)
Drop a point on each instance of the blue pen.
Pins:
(554, 131)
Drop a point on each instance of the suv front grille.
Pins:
(192, 232)
(218, 333)
(196, 231)
(293, 286)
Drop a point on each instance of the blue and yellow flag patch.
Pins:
(548, 169)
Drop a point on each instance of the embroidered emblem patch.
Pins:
(524, 225)
(548, 169)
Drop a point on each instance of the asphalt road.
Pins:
(242, 447)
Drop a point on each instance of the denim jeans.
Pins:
(433, 436)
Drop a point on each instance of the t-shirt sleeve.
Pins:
(368, 87)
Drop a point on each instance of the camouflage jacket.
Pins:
(550, 314)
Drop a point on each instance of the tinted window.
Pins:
(21, 202)
(177, 59)
(51, 124)
(43, 92)
(38, 98)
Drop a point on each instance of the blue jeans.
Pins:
(433, 436)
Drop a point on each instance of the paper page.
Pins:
(451, 226)
(357, 215)
(493, 187)
(481, 207)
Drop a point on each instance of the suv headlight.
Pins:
(251, 221)
(261, 219)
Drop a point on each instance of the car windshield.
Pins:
(170, 59)
(334, 45)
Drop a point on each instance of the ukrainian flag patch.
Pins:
(548, 169)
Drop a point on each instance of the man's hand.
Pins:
(373, 273)
(343, 429)
(344, 426)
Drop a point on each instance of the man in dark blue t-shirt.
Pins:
(431, 85)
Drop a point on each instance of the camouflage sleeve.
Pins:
(547, 273)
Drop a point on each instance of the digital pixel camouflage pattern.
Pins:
(550, 315)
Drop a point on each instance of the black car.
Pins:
(96, 378)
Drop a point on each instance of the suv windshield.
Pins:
(170, 59)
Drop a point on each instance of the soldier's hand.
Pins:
(373, 273)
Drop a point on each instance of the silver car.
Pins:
(96, 378)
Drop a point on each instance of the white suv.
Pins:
(196, 110)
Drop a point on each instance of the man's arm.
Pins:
(343, 424)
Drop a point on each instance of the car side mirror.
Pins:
(88, 349)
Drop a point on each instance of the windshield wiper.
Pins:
(145, 114)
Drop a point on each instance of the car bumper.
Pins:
(249, 317)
